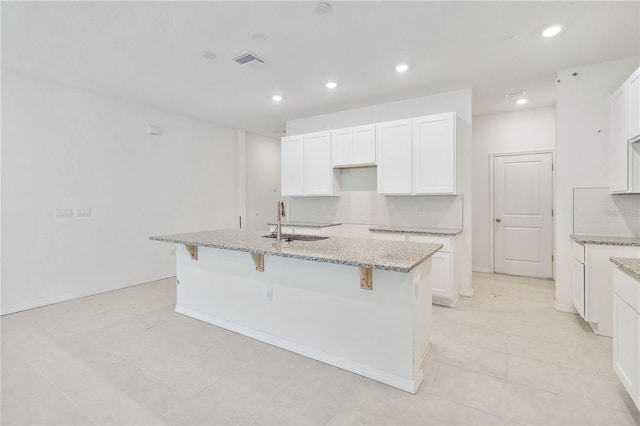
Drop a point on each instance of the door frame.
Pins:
(492, 157)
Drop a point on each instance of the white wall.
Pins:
(582, 149)
(262, 180)
(510, 132)
(458, 101)
(67, 148)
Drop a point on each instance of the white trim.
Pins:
(483, 269)
(565, 308)
(399, 382)
(492, 158)
(241, 176)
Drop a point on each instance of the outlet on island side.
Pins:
(268, 294)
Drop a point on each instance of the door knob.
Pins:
(498, 220)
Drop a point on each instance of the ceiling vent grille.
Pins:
(249, 60)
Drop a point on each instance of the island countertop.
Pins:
(398, 256)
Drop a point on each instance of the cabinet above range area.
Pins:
(414, 156)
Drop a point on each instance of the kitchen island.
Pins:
(358, 304)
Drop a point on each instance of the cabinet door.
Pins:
(364, 145)
(291, 155)
(634, 105)
(317, 169)
(342, 147)
(434, 154)
(394, 157)
(578, 286)
(626, 332)
(389, 236)
(619, 143)
(441, 284)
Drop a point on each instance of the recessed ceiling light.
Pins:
(551, 31)
(331, 85)
(276, 98)
(402, 67)
(522, 101)
(258, 36)
(209, 55)
(323, 9)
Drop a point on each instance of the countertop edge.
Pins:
(303, 257)
(629, 265)
(306, 225)
(417, 231)
(607, 240)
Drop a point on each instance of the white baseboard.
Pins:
(484, 269)
(570, 309)
(345, 364)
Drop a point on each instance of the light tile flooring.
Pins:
(502, 357)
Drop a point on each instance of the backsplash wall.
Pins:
(596, 212)
(360, 203)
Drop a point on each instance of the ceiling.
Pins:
(152, 52)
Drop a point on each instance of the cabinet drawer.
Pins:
(577, 250)
(445, 241)
(627, 288)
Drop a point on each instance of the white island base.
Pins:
(316, 309)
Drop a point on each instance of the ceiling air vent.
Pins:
(249, 60)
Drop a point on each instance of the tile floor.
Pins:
(125, 358)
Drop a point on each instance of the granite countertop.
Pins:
(629, 265)
(416, 230)
(611, 241)
(306, 224)
(398, 256)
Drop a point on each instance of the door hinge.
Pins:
(552, 212)
(552, 166)
(552, 258)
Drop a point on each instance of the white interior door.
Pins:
(523, 223)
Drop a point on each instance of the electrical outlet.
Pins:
(173, 251)
(60, 213)
(268, 294)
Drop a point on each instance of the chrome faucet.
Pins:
(280, 215)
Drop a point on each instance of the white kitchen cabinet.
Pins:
(353, 146)
(619, 148)
(394, 157)
(417, 156)
(578, 286)
(626, 332)
(317, 172)
(291, 157)
(434, 154)
(633, 93)
(597, 286)
(306, 165)
(625, 130)
(445, 277)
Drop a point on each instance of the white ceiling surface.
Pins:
(151, 52)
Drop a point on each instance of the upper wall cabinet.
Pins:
(434, 154)
(291, 157)
(394, 157)
(306, 165)
(354, 146)
(634, 105)
(317, 173)
(625, 137)
(417, 156)
(619, 142)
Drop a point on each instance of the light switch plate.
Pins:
(83, 212)
(60, 213)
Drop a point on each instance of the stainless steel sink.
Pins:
(292, 237)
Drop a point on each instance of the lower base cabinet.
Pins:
(626, 332)
(445, 276)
